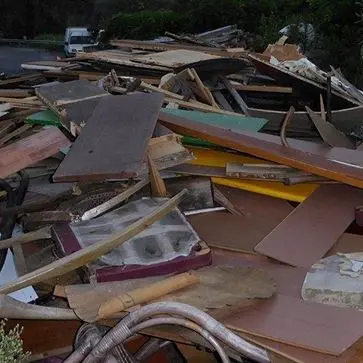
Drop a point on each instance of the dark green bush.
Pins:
(145, 24)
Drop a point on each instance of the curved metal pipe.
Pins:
(186, 324)
(197, 316)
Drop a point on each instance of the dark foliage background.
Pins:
(337, 23)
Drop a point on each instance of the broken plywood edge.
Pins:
(158, 187)
(329, 133)
(88, 254)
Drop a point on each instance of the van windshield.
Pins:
(79, 39)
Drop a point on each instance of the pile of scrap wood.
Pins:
(120, 168)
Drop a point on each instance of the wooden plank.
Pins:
(227, 231)
(30, 150)
(158, 187)
(303, 324)
(14, 133)
(262, 88)
(329, 133)
(173, 58)
(322, 219)
(255, 217)
(236, 123)
(161, 47)
(334, 163)
(114, 141)
(241, 103)
(88, 254)
(16, 93)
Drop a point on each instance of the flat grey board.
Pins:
(114, 140)
(73, 90)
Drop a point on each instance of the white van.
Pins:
(76, 39)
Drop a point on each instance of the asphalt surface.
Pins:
(11, 58)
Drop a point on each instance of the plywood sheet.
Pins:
(309, 325)
(30, 150)
(114, 141)
(265, 210)
(173, 58)
(69, 91)
(225, 230)
(308, 233)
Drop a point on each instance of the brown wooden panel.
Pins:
(268, 211)
(114, 141)
(308, 233)
(332, 163)
(304, 324)
(30, 150)
(225, 230)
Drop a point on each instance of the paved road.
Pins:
(11, 58)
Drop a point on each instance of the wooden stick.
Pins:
(322, 108)
(90, 253)
(14, 309)
(113, 202)
(157, 89)
(43, 233)
(199, 106)
(207, 95)
(241, 103)
(285, 124)
(157, 183)
(146, 294)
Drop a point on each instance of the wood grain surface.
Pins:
(30, 150)
(308, 233)
(114, 141)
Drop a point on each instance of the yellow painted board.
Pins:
(294, 193)
(208, 157)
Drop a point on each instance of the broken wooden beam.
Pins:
(333, 163)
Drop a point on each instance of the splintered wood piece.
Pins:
(143, 295)
(304, 324)
(322, 108)
(88, 254)
(329, 133)
(30, 150)
(313, 227)
(113, 202)
(14, 309)
(43, 233)
(157, 183)
(285, 124)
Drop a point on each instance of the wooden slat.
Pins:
(30, 150)
(303, 324)
(308, 233)
(114, 141)
(332, 163)
(90, 253)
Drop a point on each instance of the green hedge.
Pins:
(145, 24)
